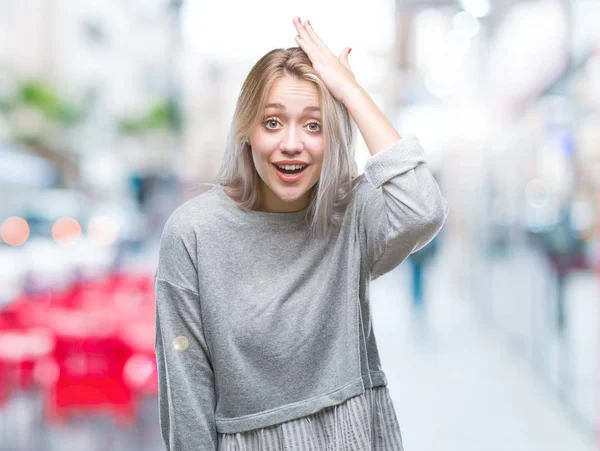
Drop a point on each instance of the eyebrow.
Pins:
(279, 106)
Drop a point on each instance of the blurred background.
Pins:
(112, 111)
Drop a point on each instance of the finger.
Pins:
(316, 39)
(301, 30)
(344, 57)
(307, 47)
(304, 40)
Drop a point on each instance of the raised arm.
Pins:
(406, 209)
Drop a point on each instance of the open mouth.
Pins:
(290, 171)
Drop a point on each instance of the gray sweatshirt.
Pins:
(257, 324)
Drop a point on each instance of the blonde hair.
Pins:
(237, 174)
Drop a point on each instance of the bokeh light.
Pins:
(138, 369)
(180, 343)
(536, 193)
(477, 8)
(466, 24)
(103, 230)
(14, 231)
(66, 231)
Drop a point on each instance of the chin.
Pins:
(290, 195)
(291, 199)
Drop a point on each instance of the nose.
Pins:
(292, 141)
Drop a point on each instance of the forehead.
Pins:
(293, 93)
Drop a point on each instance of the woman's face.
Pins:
(290, 133)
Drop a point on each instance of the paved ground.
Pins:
(456, 385)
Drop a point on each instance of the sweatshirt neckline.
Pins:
(267, 215)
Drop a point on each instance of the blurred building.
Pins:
(119, 59)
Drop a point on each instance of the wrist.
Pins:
(352, 94)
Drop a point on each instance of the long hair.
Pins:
(238, 176)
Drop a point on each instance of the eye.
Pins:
(270, 121)
(315, 129)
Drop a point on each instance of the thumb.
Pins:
(344, 57)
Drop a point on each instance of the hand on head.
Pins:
(334, 71)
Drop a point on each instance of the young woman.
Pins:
(263, 330)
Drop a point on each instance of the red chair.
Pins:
(90, 366)
(90, 361)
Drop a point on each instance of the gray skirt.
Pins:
(361, 423)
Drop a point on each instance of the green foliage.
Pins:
(39, 95)
(4, 106)
(162, 116)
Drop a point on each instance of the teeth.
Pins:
(291, 167)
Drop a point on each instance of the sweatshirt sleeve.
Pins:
(406, 213)
(186, 394)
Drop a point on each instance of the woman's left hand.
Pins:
(334, 71)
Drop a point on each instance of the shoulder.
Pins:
(192, 214)
(180, 238)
